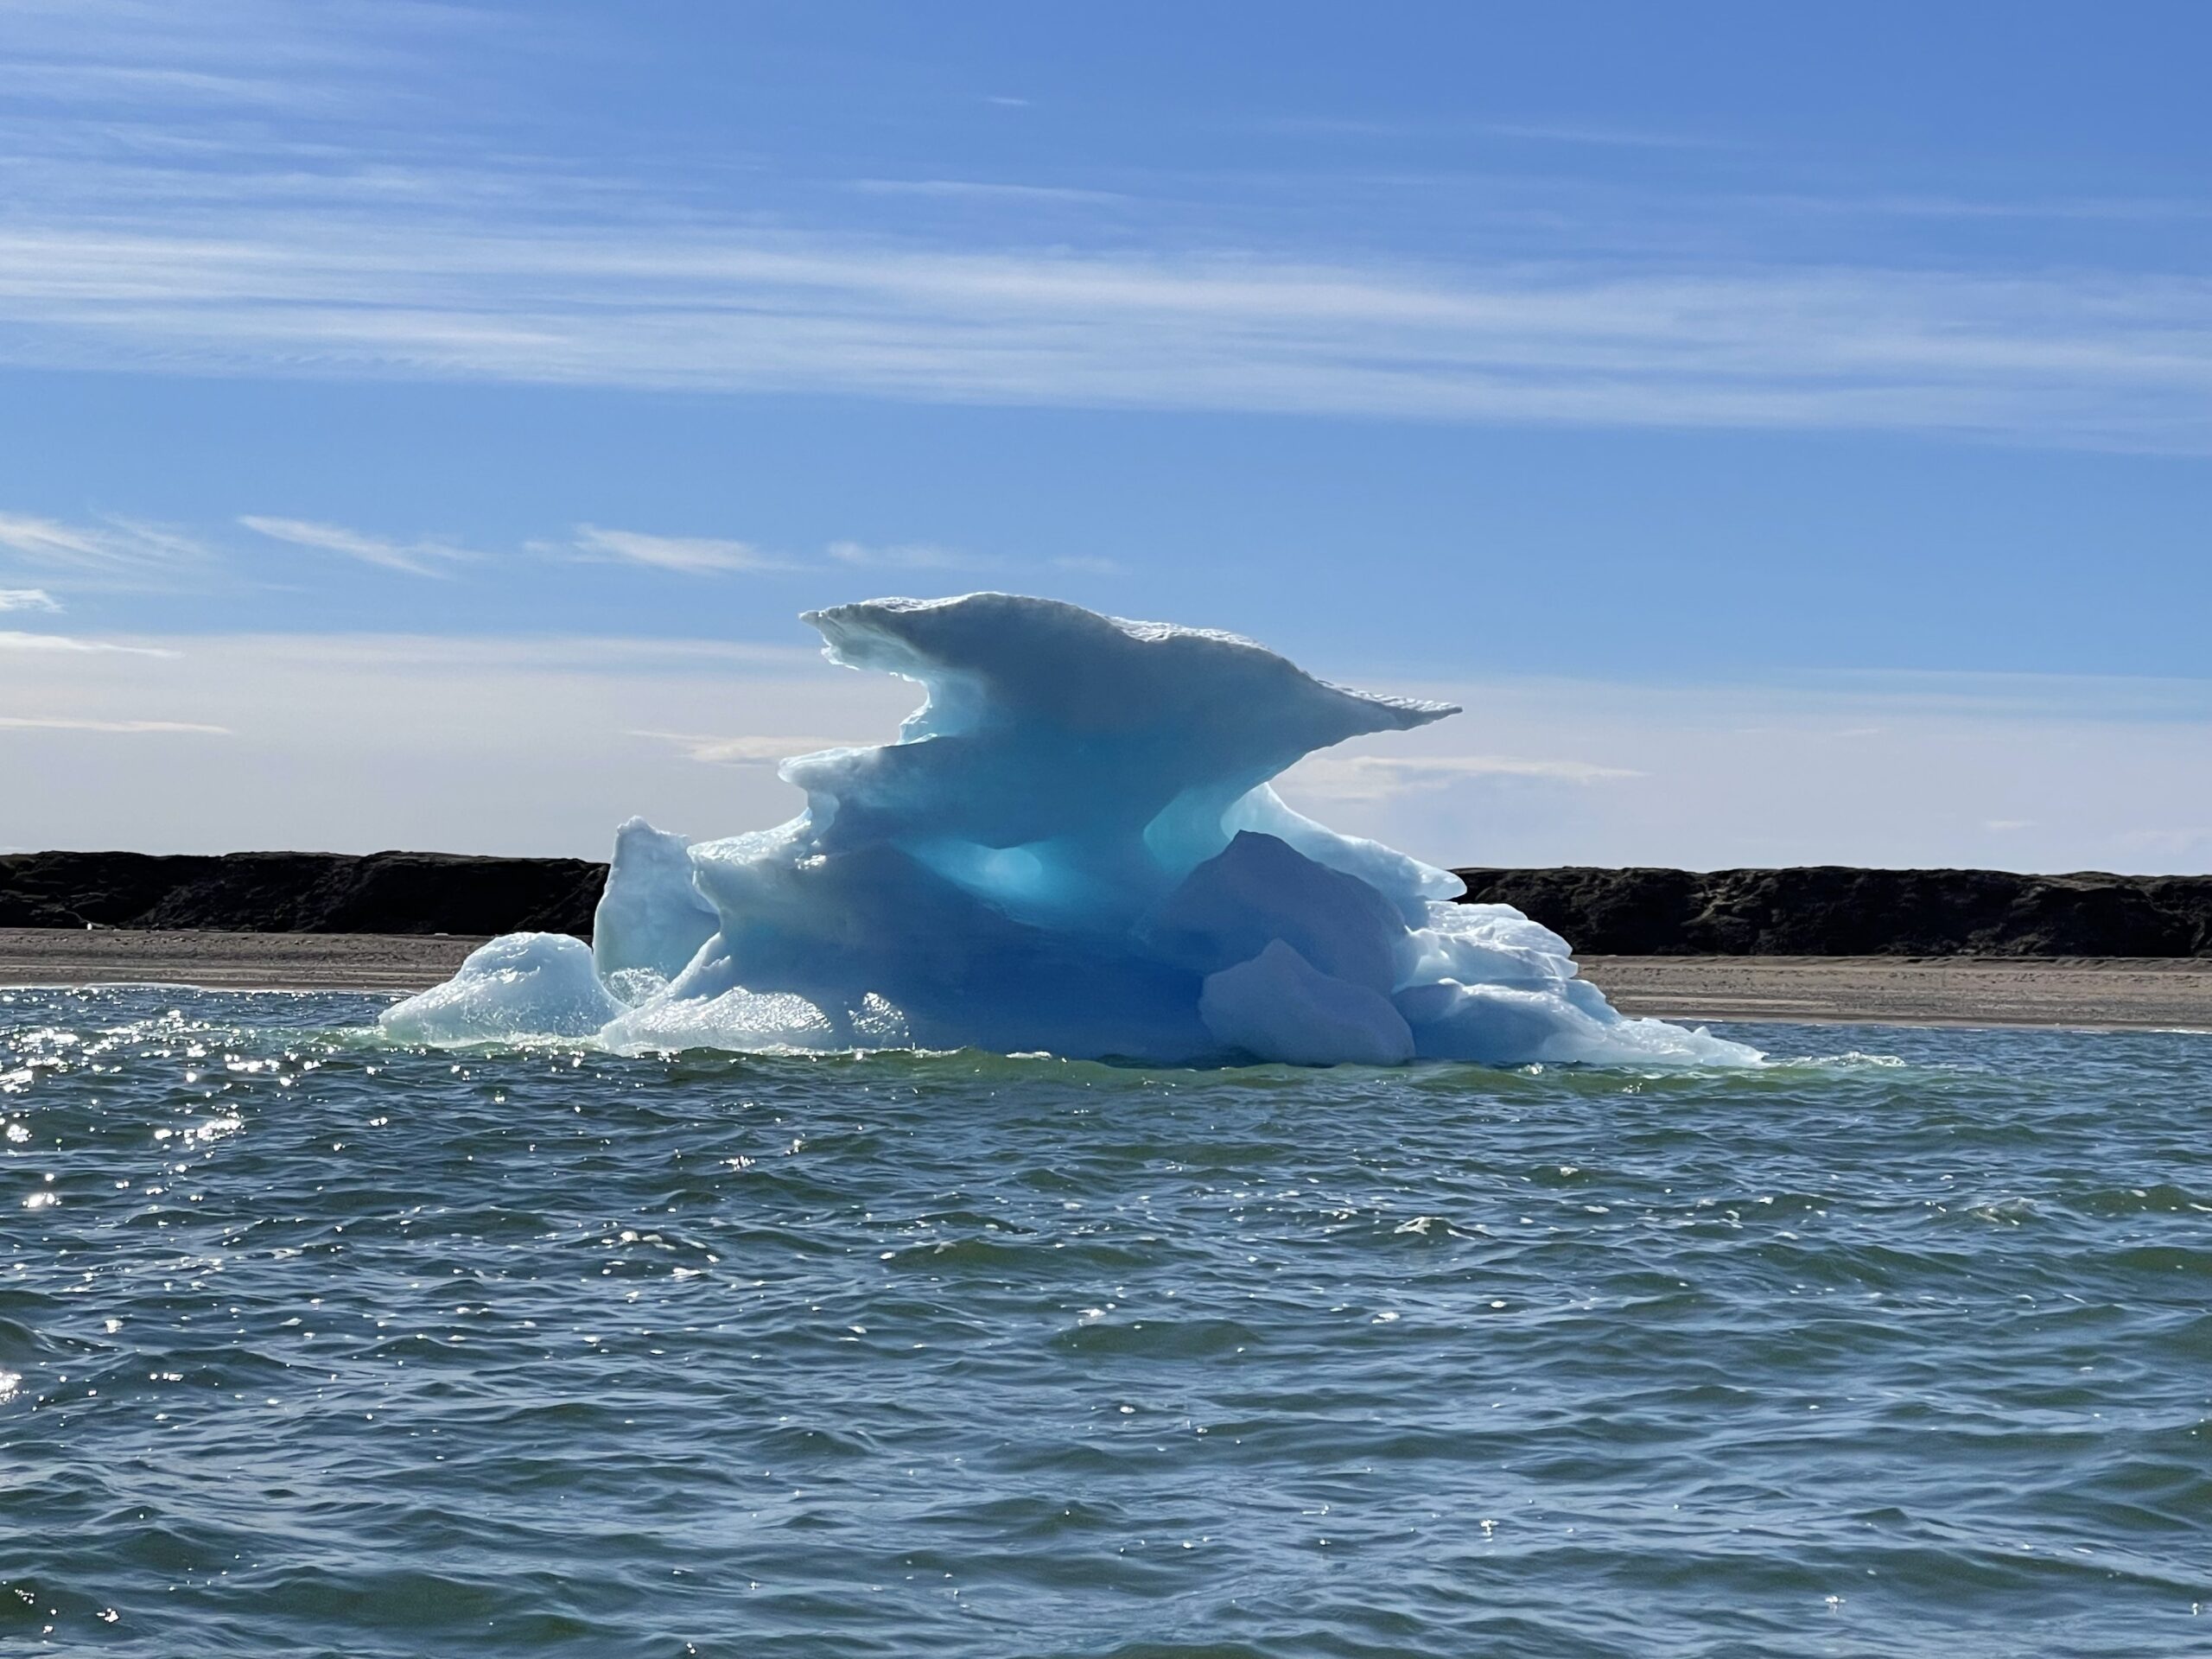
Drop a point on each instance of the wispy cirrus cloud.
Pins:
(118, 552)
(109, 552)
(61, 644)
(725, 555)
(70, 83)
(750, 750)
(2097, 359)
(228, 54)
(434, 557)
(61, 724)
(694, 556)
(1383, 777)
(356, 244)
(417, 558)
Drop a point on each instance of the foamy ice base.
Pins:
(1073, 847)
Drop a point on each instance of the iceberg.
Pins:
(519, 985)
(1073, 847)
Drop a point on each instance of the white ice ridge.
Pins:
(1072, 847)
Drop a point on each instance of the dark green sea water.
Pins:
(316, 1346)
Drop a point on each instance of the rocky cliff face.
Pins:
(301, 893)
(1832, 911)
(1821, 911)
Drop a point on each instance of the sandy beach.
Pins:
(2078, 992)
(252, 962)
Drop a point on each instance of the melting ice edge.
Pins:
(1073, 847)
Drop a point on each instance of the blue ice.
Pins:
(1072, 847)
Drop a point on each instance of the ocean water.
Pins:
(311, 1345)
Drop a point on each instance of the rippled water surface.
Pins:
(312, 1345)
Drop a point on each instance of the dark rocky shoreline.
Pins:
(300, 892)
(1818, 911)
(1835, 911)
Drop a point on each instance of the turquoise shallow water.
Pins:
(313, 1345)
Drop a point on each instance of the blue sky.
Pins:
(1682, 388)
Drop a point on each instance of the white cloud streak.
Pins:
(114, 552)
(751, 751)
(694, 556)
(1383, 777)
(15, 640)
(2090, 360)
(360, 242)
(419, 558)
(27, 598)
(178, 727)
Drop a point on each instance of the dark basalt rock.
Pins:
(301, 893)
(1833, 911)
(1820, 911)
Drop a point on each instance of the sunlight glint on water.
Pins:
(313, 1344)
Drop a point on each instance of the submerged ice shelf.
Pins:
(1071, 847)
